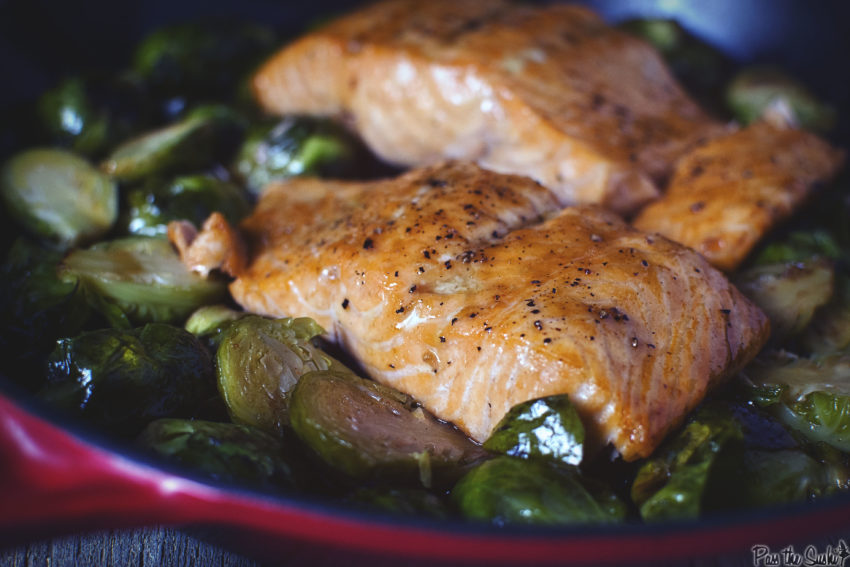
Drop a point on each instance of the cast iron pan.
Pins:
(58, 477)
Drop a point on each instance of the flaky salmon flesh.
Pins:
(474, 291)
(550, 92)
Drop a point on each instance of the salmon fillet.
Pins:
(727, 194)
(474, 291)
(550, 92)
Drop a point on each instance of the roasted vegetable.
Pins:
(57, 195)
(188, 62)
(203, 136)
(259, 361)
(139, 279)
(829, 331)
(546, 428)
(89, 114)
(507, 490)
(672, 482)
(761, 90)
(209, 322)
(296, 146)
(121, 380)
(788, 293)
(37, 307)
(189, 197)
(225, 452)
(810, 395)
(800, 246)
(368, 430)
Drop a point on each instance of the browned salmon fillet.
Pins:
(730, 192)
(550, 92)
(473, 291)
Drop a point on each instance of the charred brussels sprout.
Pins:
(37, 306)
(672, 482)
(58, 195)
(187, 62)
(368, 430)
(143, 278)
(202, 137)
(296, 146)
(810, 395)
(506, 490)
(121, 380)
(757, 91)
(259, 361)
(789, 294)
(545, 428)
(225, 452)
(188, 197)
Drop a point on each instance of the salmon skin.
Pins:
(474, 291)
(730, 192)
(550, 92)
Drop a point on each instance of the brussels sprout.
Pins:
(296, 146)
(259, 360)
(209, 322)
(199, 139)
(757, 90)
(507, 490)
(366, 430)
(810, 395)
(788, 293)
(672, 482)
(225, 452)
(201, 60)
(37, 307)
(402, 501)
(829, 331)
(89, 114)
(123, 379)
(702, 69)
(800, 246)
(57, 195)
(188, 197)
(142, 277)
(545, 428)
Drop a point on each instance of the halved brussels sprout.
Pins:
(58, 195)
(296, 145)
(829, 331)
(259, 361)
(507, 490)
(202, 136)
(368, 430)
(810, 395)
(788, 293)
(209, 322)
(122, 379)
(225, 452)
(757, 90)
(143, 278)
(546, 428)
(189, 197)
(671, 484)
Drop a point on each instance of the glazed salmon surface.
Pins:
(548, 92)
(730, 192)
(474, 291)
